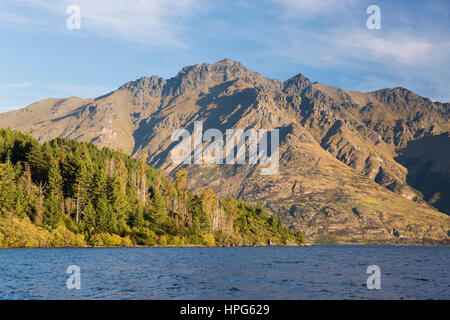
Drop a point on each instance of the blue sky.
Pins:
(122, 40)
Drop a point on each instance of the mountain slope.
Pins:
(340, 178)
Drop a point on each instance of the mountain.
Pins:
(354, 167)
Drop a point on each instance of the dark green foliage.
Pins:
(38, 163)
(157, 212)
(89, 222)
(98, 184)
(118, 203)
(55, 181)
(143, 236)
(200, 220)
(299, 237)
(8, 188)
(52, 213)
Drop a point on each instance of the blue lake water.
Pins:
(317, 272)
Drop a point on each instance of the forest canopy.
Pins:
(70, 193)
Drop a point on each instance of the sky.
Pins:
(122, 40)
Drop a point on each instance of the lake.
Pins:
(317, 272)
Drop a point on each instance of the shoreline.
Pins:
(256, 246)
(159, 246)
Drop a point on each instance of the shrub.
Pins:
(106, 240)
(178, 241)
(126, 242)
(299, 238)
(208, 240)
(22, 233)
(62, 237)
(143, 236)
(162, 241)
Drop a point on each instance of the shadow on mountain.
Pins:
(217, 110)
(427, 160)
(223, 111)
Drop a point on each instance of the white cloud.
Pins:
(155, 22)
(388, 58)
(345, 47)
(314, 7)
(14, 85)
(400, 47)
(345, 40)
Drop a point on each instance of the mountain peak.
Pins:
(394, 91)
(145, 85)
(227, 61)
(400, 97)
(223, 66)
(203, 75)
(298, 83)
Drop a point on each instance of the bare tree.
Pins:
(41, 189)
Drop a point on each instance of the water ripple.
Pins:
(318, 272)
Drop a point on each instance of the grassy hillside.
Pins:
(69, 193)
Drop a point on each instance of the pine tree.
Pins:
(180, 181)
(81, 188)
(8, 189)
(40, 191)
(200, 220)
(137, 217)
(105, 218)
(38, 164)
(52, 213)
(89, 218)
(25, 183)
(117, 196)
(21, 203)
(157, 208)
(55, 180)
(99, 182)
